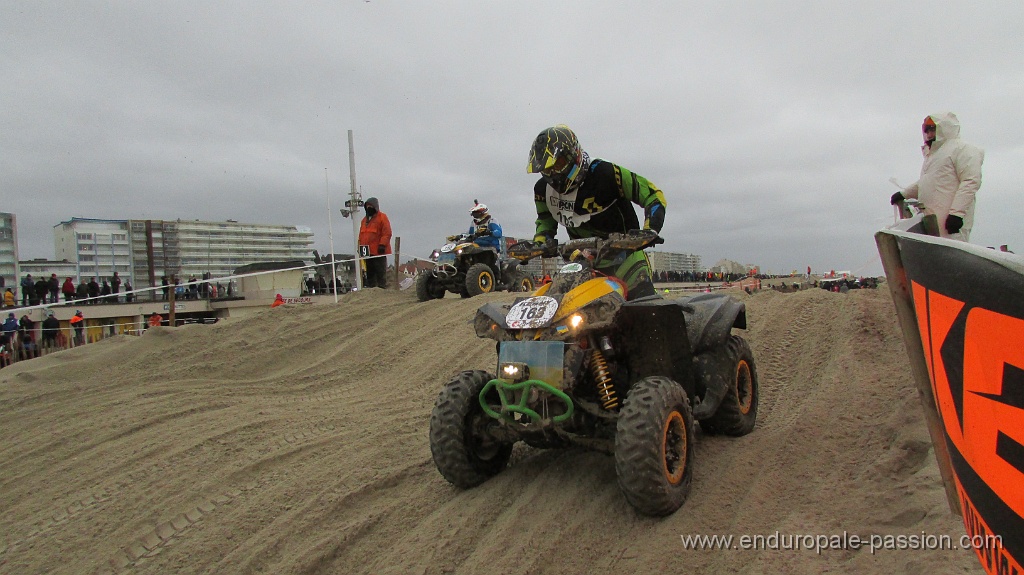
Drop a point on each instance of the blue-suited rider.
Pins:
(486, 231)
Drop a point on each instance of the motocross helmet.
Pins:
(556, 155)
(479, 213)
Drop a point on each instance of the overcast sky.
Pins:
(772, 127)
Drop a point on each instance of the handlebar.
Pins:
(632, 240)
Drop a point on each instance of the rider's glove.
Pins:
(954, 223)
(482, 230)
(896, 198)
(655, 217)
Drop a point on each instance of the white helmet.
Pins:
(479, 213)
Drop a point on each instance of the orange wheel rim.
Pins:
(674, 448)
(744, 387)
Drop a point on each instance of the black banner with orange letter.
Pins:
(962, 313)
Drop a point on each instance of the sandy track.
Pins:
(295, 441)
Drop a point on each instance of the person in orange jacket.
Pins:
(277, 301)
(375, 233)
(78, 322)
(156, 319)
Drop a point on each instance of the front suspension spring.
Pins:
(605, 387)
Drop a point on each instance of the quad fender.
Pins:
(656, 346)
(480, 254)
(710, 320)
(489, 315)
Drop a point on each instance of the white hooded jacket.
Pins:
(950, 176)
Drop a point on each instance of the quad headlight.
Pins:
(576, 320)
(514, 371)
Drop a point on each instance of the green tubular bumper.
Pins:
(506, 390)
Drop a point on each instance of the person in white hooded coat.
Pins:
(950, 176)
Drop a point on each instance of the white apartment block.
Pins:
(98, 247)
(674, 262)
(9, 253)
(145, 251)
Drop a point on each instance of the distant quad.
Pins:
(579, 365)
(464, 267)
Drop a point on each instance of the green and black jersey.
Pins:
(600, 206)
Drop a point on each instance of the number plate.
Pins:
(532, 313)
(447, 248)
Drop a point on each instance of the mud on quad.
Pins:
(580, 365)
(464, 267)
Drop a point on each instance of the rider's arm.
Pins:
(547, 227)
(642, 192)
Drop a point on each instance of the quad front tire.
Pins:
(654, 446)
(479, 279)
(427, 287)
(463, 450)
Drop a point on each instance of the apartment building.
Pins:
(9, 271)
(674, 262)
(146, 250)
(98, 247)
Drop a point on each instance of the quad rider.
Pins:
(485, 231)
(591, 198)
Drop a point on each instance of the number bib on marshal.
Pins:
(532, 313)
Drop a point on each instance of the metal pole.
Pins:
(330, 234)
(354, 211)
(398, 251)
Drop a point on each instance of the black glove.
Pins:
(896, 198)
(383, 249)
(656, 217)
(954, 223)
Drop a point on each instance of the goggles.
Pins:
(560, 166)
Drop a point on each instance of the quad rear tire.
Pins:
(522, 283)
(654, 446)
(738, 411)
(427, 287)
(463, 451)
(479, 279)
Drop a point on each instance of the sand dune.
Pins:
(295, 441)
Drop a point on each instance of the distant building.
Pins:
(674, 262)
(144, 251)
(98, 247)
(9, 270)
(730, 267)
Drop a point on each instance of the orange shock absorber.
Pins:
(605, 388)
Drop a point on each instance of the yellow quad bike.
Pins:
(464, 267)
(579, 365)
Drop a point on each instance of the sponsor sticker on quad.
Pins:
(532, 313)
(447, 247)
(571, 268)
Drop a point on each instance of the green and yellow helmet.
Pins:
(556, 155)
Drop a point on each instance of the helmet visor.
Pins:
(559, 167)
(558, 173)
